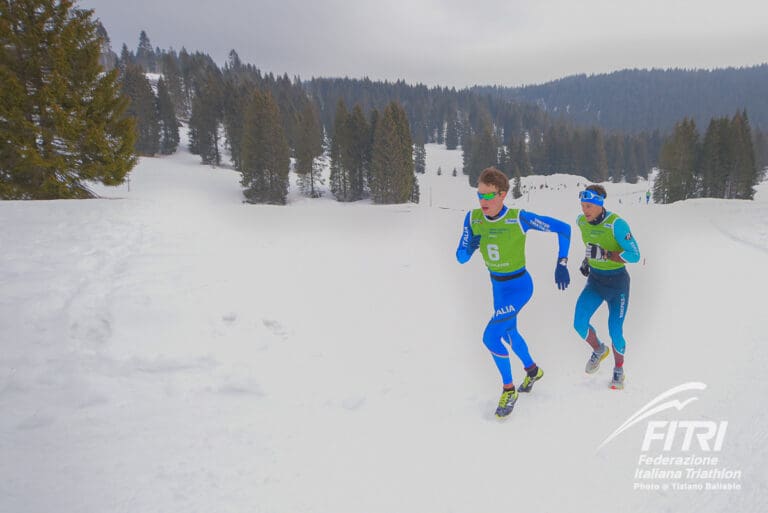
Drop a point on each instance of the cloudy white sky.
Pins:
(450, 42)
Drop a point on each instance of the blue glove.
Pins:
(562, 277)
(474, 242)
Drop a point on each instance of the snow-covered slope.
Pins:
(171, 349)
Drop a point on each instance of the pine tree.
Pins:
(126, 58)
(467, 138)
(676, 179)
(392, 170)
(145, 55)
(408, 169)
(760, 141)
(557, 150)
(61, 117)
(597, 162)
(205, 119)
(745, 173)
(483, 153)
(373, 121)
(289, 100)
(265, 152)
(452, 131)
(341, 174)
(516, 192)
(524, 160)
(644, 160)
(508, 156)
(631, 167)
(717, 159)
(143, 107)
(420, 157)
(536, 151)
(357, 133)
(415, 191)
(517, 156)
(615, 154)
(237, 95)
(169, 125)
(309, 146)
(187, 90)
(172, 77)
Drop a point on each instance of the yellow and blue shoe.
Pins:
(597, 356)
(506, 403)
(529, 380)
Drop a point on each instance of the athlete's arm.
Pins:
(529, 220)
(468, 242)
(623, 236)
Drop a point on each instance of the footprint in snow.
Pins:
(237, 389)
(276, 328)
(353, 403)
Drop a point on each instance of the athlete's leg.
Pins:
(617, 311)
(492, 338)
(518, 344)
(508, 298)
(586, 306)
(521, 294)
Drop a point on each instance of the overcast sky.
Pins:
(449, 42)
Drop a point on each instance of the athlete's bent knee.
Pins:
(581, 326)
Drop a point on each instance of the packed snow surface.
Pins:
(169, 348)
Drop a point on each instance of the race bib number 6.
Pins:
(493, 252)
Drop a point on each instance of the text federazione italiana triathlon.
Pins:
(677, 461)
(689, 470)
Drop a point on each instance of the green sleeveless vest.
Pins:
(602, 235)
(502, 242)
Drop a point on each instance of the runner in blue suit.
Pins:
(609, 246)
(500, 233)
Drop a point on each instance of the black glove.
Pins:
(584, 269)
(596, 252)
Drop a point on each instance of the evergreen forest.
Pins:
(606, 128)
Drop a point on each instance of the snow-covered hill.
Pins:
(171, 349)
